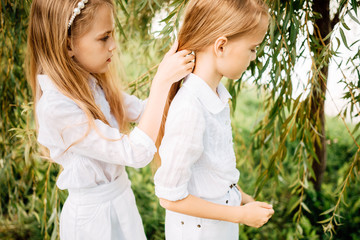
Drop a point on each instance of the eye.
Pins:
(104, 38)
(254, 49)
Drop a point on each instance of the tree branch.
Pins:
(336, 19)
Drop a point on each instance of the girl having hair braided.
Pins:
(197, 179)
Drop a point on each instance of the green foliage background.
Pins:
(30, 203)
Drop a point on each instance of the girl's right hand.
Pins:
(174, 66)
(255, 214)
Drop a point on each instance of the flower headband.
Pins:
(77, 11)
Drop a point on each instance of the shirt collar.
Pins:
(205, 94)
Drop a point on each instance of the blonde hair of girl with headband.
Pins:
(197, 179)
(82, 115)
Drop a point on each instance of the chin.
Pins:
(235, 76)
(238, 76)
(101, 71)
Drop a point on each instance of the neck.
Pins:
(205, 69)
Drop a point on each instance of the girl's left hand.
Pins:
(174, 66)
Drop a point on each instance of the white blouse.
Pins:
(197, 155)
(94, 160)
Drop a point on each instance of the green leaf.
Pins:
(120, 27)
(305, 207)
(354, 4)
(296, 204)
(344, 24)
(356, 128)
(168, 18)
(324, 221)
(123, 8)
(328, 211)
(352, 17)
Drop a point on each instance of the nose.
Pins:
(112, 46)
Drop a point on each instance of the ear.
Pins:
(219, 46)
(70, 49)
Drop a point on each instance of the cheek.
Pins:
(82, 44)
(248, 58)
(92, 47)
(82, 52)
(92, 51)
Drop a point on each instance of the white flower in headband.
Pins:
(77, 11)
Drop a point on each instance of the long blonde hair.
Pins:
(204, 22)
(47, 53)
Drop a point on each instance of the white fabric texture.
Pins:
(184, 227)
(95, 160)
(106, 212)
(197, 155)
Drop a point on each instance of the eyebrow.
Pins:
(106, 32)
(256, 45)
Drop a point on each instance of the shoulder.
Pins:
(54, 105)
(185, 99)
(185, 109)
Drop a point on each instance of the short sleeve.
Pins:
(62, 124)
(134, 107)
(181, 147)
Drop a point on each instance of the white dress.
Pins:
(101, 204)
(197, 157)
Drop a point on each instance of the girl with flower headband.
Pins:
(197, 179)
(82, 115)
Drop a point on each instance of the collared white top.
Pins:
(95, 159)
(197, 155)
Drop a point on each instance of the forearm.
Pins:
(151, 118)
(245, 198)
(198, 207)
(254, 214)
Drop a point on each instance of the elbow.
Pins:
(164, 203)
(168, 205)
(140, 161)
(138, 165)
